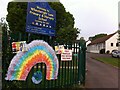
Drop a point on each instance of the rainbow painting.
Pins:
(38, 52)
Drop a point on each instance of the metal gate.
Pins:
(70, 72)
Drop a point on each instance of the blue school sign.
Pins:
(41, 19)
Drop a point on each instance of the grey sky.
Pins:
(94, 16)
(91, 16)
(119, 13)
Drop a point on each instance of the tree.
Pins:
(6, 49)
(4, 28)
(63, 18)
(16, 18)
(67, 34)
(97, 36)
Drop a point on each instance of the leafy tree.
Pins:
(64, 34)
(63, 18)
(97, 36)
(4, 28)
(5, 47)
(16, 18)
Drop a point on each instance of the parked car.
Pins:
(116, 53)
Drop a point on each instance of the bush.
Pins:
(102, 51)
(108, 52)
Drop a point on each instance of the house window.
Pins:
(116, 44)
(111, 44)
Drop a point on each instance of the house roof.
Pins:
(101, 40)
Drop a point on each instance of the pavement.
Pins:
(100, 75)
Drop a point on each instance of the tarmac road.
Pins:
(100, 75)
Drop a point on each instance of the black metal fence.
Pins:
(69, 74)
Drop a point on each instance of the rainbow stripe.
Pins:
(38, 51)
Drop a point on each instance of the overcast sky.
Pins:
(91, 16)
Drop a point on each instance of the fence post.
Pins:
(1, 56)
(84, 62)
(81, 62)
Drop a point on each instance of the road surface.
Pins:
(100, 75)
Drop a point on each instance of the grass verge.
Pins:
(109, 60)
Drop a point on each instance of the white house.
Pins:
(88, 42)
(108, 43)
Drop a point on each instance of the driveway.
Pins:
(100, 75)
